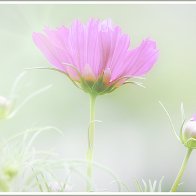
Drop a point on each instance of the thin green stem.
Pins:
(89, 156)
(180, 173)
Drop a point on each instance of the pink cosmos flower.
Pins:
(96, 56)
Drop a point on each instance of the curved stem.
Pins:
(89, 156)
(180, 173)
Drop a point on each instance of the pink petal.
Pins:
(53, 54)
(93, 53)
(59, 37)
(193, 118)
(143, 58)
(119, 53)
(106, 75)
(77, 44)
(88, 73)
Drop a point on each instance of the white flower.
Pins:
(5, 107)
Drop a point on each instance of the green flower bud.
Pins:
(10, 171)
(188, 135)
(5, 107)
(4, 185)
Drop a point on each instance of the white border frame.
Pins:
(52, 2)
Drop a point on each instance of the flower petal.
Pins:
(54, 55)
(142, 58)
(93, 52)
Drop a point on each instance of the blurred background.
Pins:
(134, 138)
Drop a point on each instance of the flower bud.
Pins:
(5, 107)
(188, 135)
(4, 186)
(10, 171)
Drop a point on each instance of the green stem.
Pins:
(180, 173)
(89, 156)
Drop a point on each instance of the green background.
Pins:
(134, 138)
